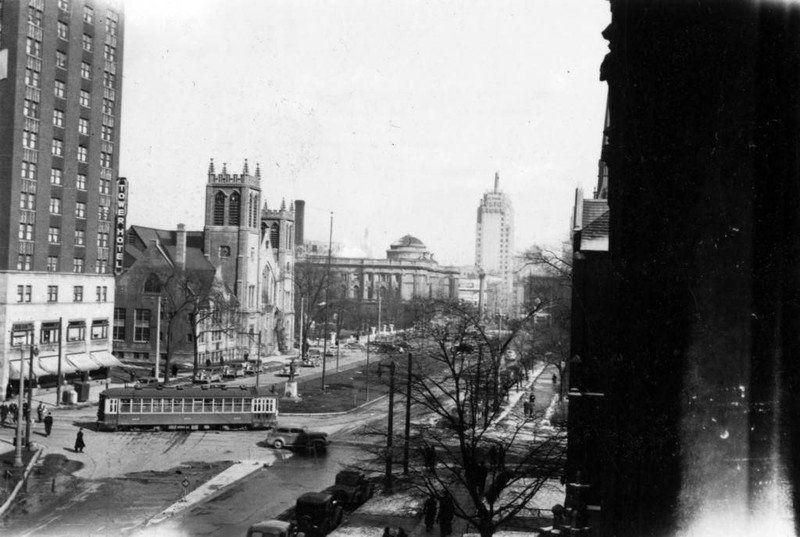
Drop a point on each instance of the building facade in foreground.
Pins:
(60, 81)
(698, 430)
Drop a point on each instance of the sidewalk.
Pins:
(404, 510)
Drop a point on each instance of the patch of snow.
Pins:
(403, 504)
(357, 531)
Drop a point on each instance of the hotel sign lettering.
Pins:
(119, 227)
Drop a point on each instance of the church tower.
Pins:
(232, 231)
(278, 225)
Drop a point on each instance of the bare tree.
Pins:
(459, 448)
(194, 302)
(311, 280)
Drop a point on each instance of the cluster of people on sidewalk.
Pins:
(9, 412)
(441, 511)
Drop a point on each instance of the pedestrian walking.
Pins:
(481, 472)
(26, 412)
(13, 409)
(493, 457)
(48, 423)
(40, 412)
(446, 511)
(555, 378)
(526, 406)
(532, 399)
(3, 414)
(429, 510)
(79, 443)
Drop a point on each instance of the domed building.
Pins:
(408, 272)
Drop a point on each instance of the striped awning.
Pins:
(82, 362)
(50, 364)
(14, 367)
(106, 359)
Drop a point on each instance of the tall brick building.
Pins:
(60, 80)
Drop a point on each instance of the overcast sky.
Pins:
(395, 115)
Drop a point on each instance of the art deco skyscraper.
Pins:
(494, 246)
(60, 80)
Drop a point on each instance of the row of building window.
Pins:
(28, 171)
(24, 292)
(141, 325)
(25, 262)
(23, 334)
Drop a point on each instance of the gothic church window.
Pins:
(274, 235)
(219, 209)
(234, 210)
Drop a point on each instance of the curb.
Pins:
(342, 413)
(13, 495)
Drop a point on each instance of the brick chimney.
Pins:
(180, 247)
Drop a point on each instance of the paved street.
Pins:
(122, 480)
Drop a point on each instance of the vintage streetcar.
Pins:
(187, 407)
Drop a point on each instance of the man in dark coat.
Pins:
(79, 443)
(3, 414)
(429, 510)
(481, 471)
(446, 511)
(48, 423)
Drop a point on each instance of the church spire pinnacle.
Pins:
(496, 181)
(211, 167)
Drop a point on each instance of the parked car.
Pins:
(272, 528)
(287, 371)
(351, 488)
(207, 376)
(316, 514)
(298, 438)
(310, 362)
(233, 371)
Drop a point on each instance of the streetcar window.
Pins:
(247, 404)
(197, 405)
(227, 405)
(177, 405)
(157, 403)
(112, 405)
(208, 405)
(145, 404)
(125, 406)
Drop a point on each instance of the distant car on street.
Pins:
(207, 376)
(287, 371)
(352, 488)
(310, 362)
(298, 438)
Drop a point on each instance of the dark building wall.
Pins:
(703, 190)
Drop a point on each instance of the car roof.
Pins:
(279, 525)
(315, 497)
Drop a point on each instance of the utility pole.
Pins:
(34, 352)
(158, 343)
(327, 299)
(18, 432)
(258, 359)
(59, 380)
(390, 429)
(368, 331)
(302, 322)
(408, 418)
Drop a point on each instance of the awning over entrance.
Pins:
(50, 364)
(14, 367)
(106, 359)
(82, 362)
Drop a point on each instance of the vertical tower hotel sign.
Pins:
(119, 228)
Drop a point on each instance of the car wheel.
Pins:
(277, 444)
